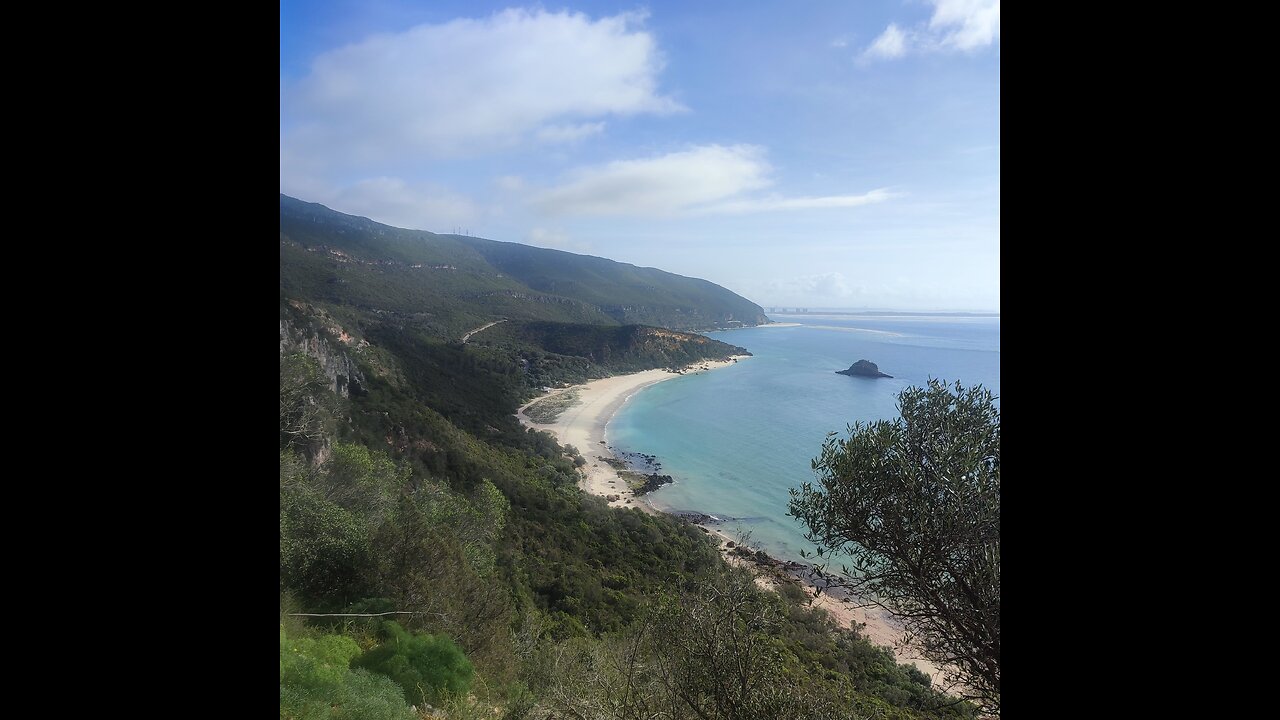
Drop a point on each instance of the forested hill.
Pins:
(461, 282)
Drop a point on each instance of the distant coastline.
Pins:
(757, 327)
(884, 313)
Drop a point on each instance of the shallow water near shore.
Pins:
(737, 439)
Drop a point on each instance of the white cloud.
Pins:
(706, 180)
(569, 133)
(834, 290)
(394, 202)
(662, 186)
(955, 25)
(891, 44)
(808, 288)
(510, 183)
(555, 239)
(771, 203)
(472, 86)
(966, 24)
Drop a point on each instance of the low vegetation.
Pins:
(549, 410)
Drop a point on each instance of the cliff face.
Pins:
(334, 363)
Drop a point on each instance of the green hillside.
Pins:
(627, 293)
(454, 283)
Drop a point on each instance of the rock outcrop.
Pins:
(863, 368)
(336, 364)
(653, 482)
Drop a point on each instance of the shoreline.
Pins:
(753, 327)
(873, 623)
(583, 425)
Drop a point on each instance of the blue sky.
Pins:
(816, 153)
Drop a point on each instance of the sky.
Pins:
(816, 153)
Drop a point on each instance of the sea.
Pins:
(737, 439)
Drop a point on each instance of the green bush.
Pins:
(429, 668)
(316, 682)
(324, 548)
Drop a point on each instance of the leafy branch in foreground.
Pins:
(915, 503)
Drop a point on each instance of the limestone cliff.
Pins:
(334, 362)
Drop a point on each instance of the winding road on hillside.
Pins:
(467, 337)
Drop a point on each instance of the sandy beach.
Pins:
(582, 425)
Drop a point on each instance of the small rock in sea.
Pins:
(864, 368)
(729, 544)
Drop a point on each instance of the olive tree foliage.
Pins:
(915, 504)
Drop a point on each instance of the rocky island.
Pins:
(863, 368)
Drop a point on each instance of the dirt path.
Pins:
(467, 337)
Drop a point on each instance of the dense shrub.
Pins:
(429, 668)
(316, 682)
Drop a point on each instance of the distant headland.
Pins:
(864, 368)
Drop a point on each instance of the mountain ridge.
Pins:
(467, 278)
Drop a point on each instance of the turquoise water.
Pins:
(738, 438)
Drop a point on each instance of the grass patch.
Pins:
(548, 410)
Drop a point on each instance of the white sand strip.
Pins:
(583, 424)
